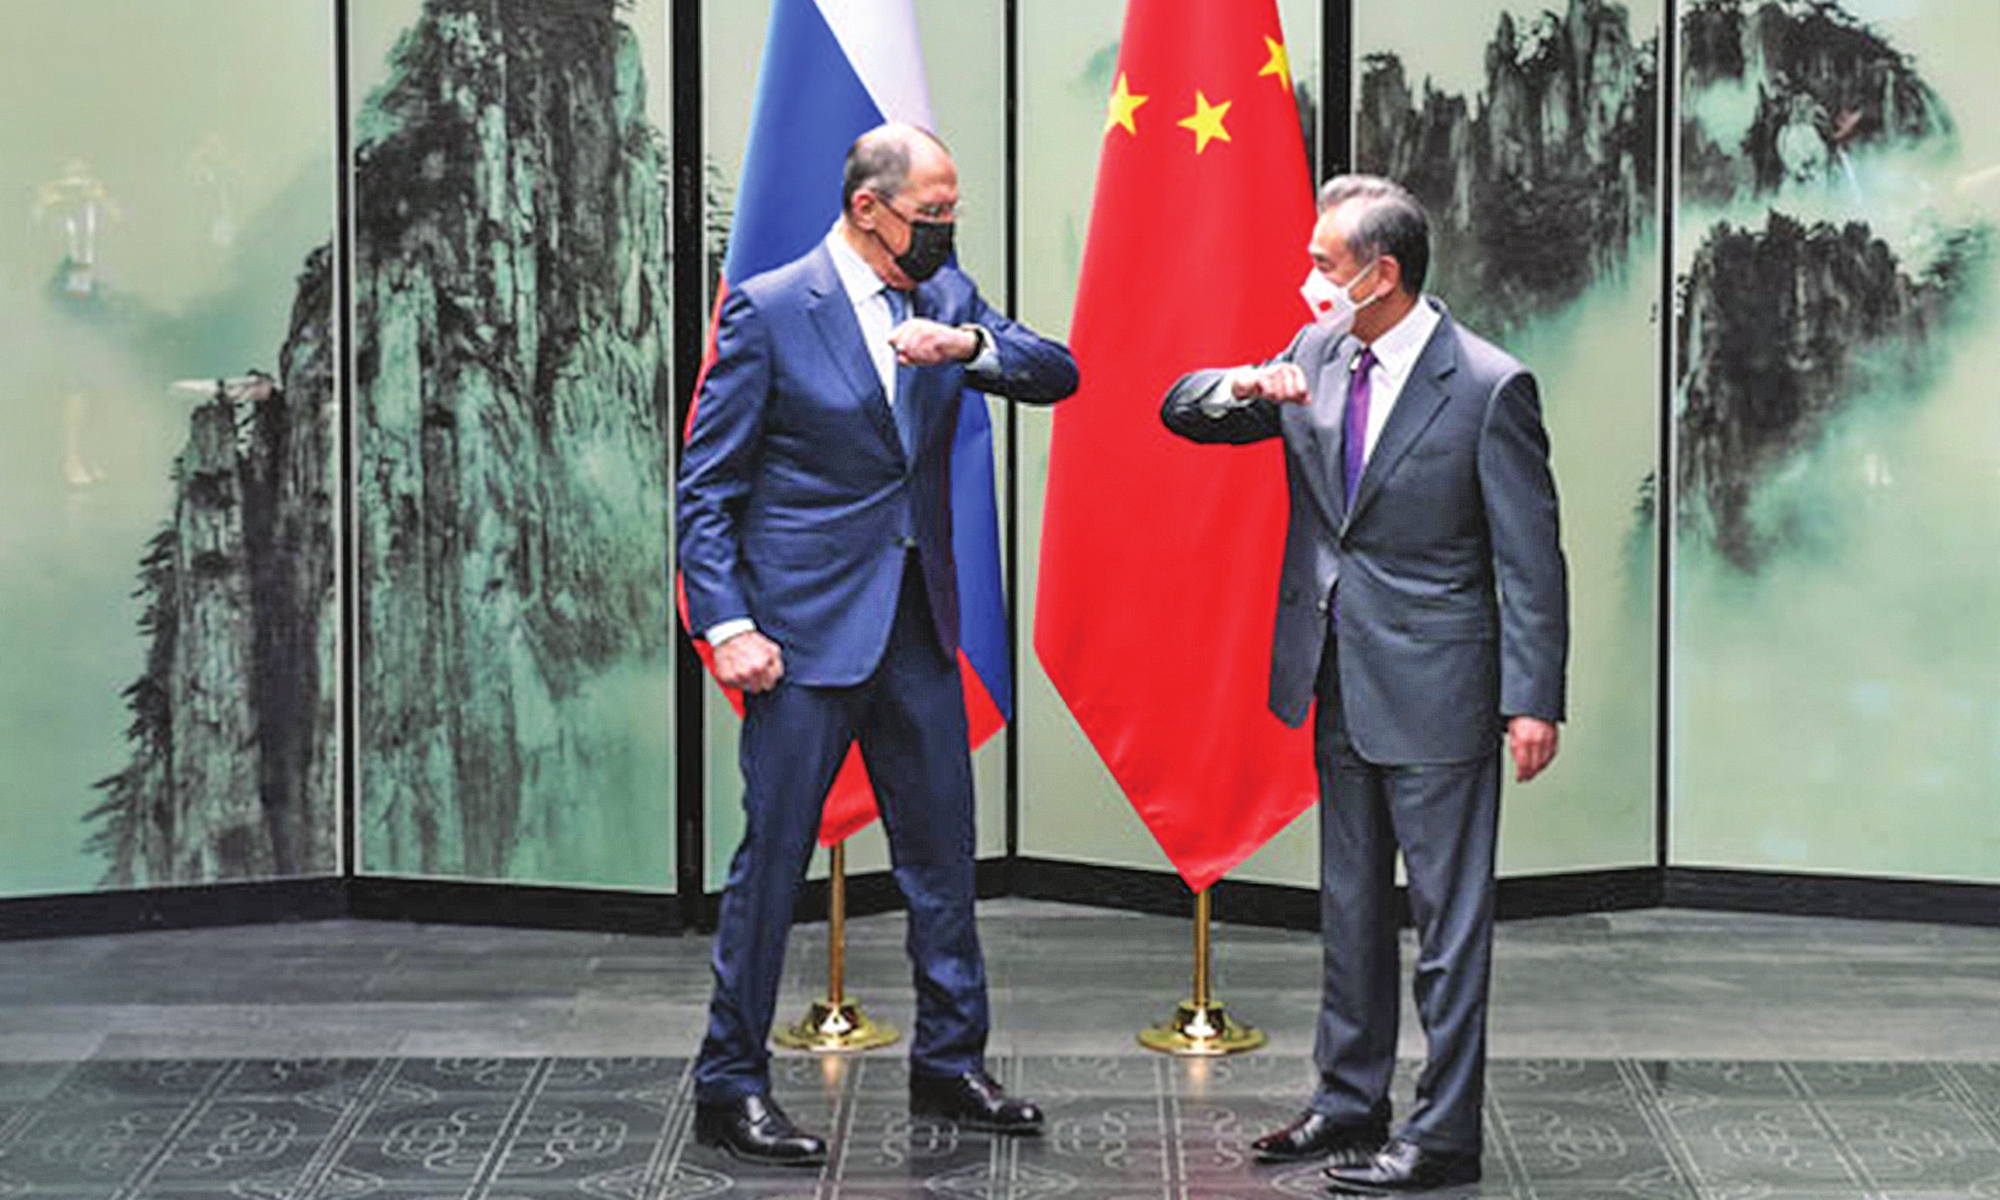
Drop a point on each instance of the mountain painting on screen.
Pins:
(234, 770)
(511, 389)
(1825, 271)
(1836, 612)
(1541, 184)
(511, 393)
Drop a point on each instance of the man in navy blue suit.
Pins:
(815, 547)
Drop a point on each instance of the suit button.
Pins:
(907, 543)
(1321, 605)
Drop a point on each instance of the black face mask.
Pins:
(930, 247)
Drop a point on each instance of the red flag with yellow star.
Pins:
(1159, 568)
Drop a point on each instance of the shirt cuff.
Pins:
(1220, 400)
(722, 631)
(987, 361)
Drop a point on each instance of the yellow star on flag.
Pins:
(1123, 105)
(1206, 121)
(1280, 64)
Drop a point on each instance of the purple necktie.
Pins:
(1354, 438)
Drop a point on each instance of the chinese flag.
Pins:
(1159, 570)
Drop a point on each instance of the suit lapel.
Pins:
(1424, 393)
(1324, 427)
(833, 316)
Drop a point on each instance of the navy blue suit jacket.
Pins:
(798, 505)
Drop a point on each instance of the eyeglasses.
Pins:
(931, 212)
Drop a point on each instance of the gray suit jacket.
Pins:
(1453, 594)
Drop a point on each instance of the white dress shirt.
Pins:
(870, 298)
(1396, 355)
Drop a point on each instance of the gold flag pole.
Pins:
(834, 1024)
(1201, 1027)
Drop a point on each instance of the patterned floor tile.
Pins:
(28, 1082)
(1559, 1140)
(90, 1145)
(567, 1137)
(1522, 1078)
(1135, 1127)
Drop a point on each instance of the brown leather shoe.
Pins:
(1316, 1135)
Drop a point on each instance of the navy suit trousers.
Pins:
(1444, 818)
(909, 717)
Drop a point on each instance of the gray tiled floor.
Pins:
(1660, 984)
(1660, 1053)
(1120, 1128)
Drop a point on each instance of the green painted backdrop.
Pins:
(1836, 622)
(205, 130)
(513, 337)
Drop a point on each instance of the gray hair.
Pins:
(1387, 220)
(879, 161)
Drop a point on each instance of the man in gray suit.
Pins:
(1424, 603)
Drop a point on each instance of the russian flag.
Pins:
(832, 70)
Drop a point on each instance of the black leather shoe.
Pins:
(973, 1101)
(1315, 1135)
(754, 1129)
(1404, 1166)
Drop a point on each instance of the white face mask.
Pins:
(1331, 306)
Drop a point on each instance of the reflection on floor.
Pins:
(1120, 1128)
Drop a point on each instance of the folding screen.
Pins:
(512, 389)
(1836, 633)
(169, 622)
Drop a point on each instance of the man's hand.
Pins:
(1532, 741)
(1282, 383)
(749, 661)
(922, 343)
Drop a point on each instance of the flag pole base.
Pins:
(1201, 1030)
(835, 1027)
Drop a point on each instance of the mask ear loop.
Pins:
(1361, 304)
(884, 242)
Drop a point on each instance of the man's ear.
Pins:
(1392, 270)
(862, 209)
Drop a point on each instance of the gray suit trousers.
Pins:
(1444, 819)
